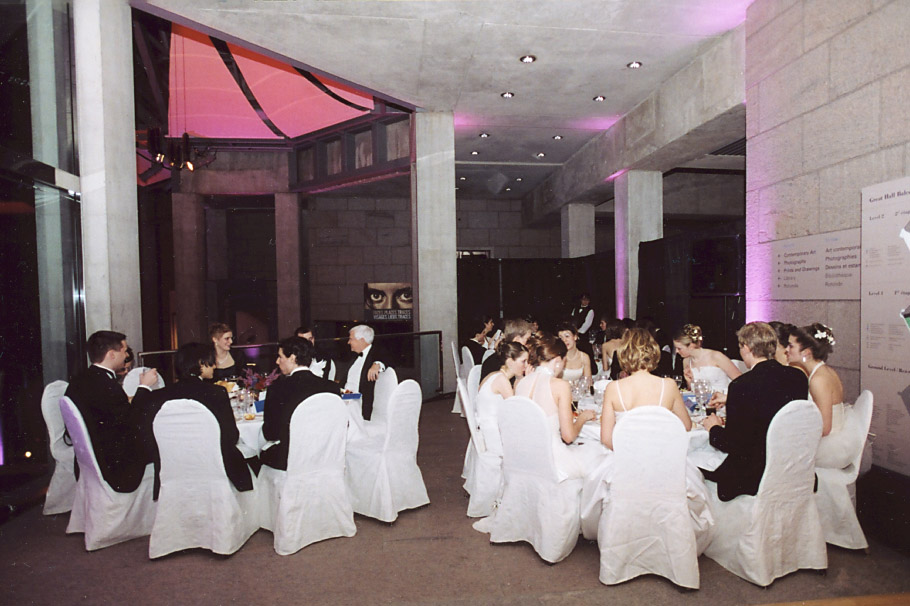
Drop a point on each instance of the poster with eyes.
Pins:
(388, 301)
(885, 329)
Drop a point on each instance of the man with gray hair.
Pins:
(360, 373)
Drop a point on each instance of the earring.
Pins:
(804, 359)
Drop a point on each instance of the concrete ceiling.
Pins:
(460, 55)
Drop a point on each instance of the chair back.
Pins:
(470, 417)
(473, 385)
(456, 359)
(82, 444)
(858, 423)
(404, 417)
(467, 359)
(318, 435)
(50, 410)
(385, 386)
(649, 445)
(526, 443)
(792, 441)
(188, 439)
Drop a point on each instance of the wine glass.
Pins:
(702, 390)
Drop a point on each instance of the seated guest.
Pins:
(515, 330)
(496, 388)
(783, 331)
(752, 401)
(322, 364)
(222, 338)
(531, 319)
(700, 363)
(114, 423)
(194, 364)
(362, 370)
(808, 350)
(612, 337)
(578, 363)
(285, 394)
(478, 344)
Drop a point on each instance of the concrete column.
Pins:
(433, 228)
(288, 258)
(577, 222)
(638, 217)
(107, 156)
(188, 215)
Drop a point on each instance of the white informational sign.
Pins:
(885, 330)
(819, 267)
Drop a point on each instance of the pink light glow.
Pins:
(594, 123)
(616, 175)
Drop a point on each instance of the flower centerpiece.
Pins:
(257, 382)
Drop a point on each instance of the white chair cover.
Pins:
(382, 473)
(309, 501)
(740, 365)
(467, 360)
(62, 489)
(777, 531)
(487, 354)
(836, 498)
(197, 504)
(645, 527)
(483, 471)
(535, 506)
(382, 393)
(105, 516)
(456, 406)
(473, 385)
(131, 381)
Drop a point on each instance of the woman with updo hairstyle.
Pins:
(808, 349)
(578, 363)
(700, 363)
(222, 339)
(495, 388)
(638, 355)
(783, 331)
(613, 332)
(554, 397)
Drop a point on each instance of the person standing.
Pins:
(583, 318)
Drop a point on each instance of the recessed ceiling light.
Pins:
(507, 95)
(508, 189)
(475, 152)
(518, 178)
(528, 59)
(557, 137)
(600, 98)
(634, 65)
(484, 135)
(541, 154)
(462, 178)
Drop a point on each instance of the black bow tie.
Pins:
(360, 355)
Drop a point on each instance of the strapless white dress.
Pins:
(836, 448)
(487, 406)
(712, 374)
(572, 374)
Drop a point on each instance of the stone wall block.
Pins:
(841, 186)
(509, 220)
(758, 266)
(680, 101)
(754, 235)
(895, 121)
(401, 255)
(795, 89)
(353, 220)
(402, 219)
(774, 46)
(363, 204)
(844, 319)
(641, 121)
(723, 63)
(843, 129)
(857, 54)
(321, 219)
(359, 274)
(759, 14)
(849, 378)
(394, 205)
(753, 103)
(393, 236)
(774, 155)
(394, 273)
(378, 255)
(325, 275)
(474, 238)
(508, 236)
(823, 19)
(329, 237)
(483, 220)
(790, 208)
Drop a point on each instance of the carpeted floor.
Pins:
(429, 556)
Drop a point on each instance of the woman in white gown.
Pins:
(577, 362)
(639, 354)
(808, 350)
(553, 395)
(496, 388)
(701, 363)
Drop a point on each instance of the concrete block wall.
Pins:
(497, 225)
(827, 113)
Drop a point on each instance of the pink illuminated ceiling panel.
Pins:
(205, 100)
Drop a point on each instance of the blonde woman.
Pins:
(701, 363)
(222, 338)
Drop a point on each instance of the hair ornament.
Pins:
(825, 333)
(693, 332)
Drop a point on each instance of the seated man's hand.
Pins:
(373, 373)
(149, 378)
(711, 421)
(718, 399)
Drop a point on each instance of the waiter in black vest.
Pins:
(583, 318)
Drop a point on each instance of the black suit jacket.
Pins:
(477, 350)
(281, 400)
(215, 399)
(753, 399)
(114, 426)
(366, 387)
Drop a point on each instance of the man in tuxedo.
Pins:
(583, 318)
(360, 373)
(285, 394)
(322, 365)
(114, 423)
(194, 366)
(752, 400)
